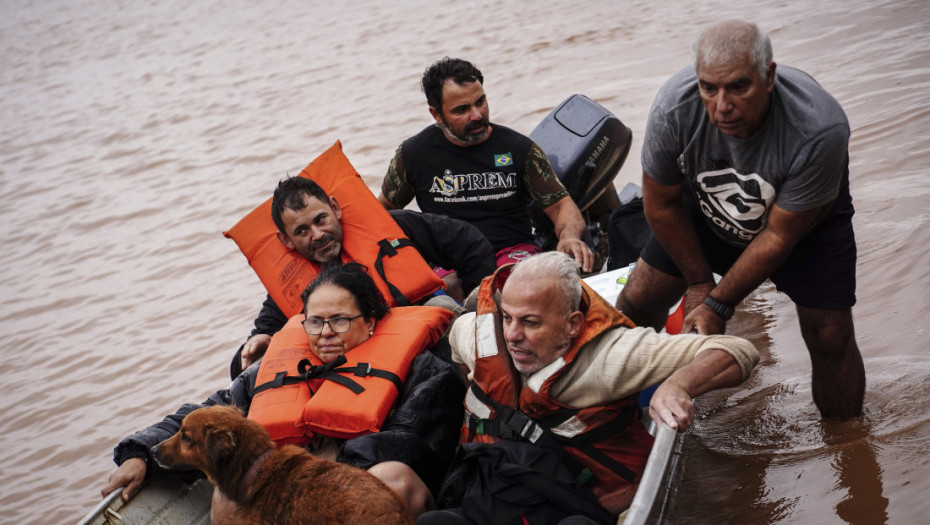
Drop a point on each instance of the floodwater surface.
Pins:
(134, 133)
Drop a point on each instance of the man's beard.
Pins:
(334, 251)
(466, 137)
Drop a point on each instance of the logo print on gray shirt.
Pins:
(738, 203)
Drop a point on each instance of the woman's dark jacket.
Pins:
(422, 431)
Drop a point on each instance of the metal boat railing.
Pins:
(166, 502)
(655, 485)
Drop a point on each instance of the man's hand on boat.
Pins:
(698, 317)
(578, 250)
(710, 369)
(672, 405)
(254, 349)
(130, 475)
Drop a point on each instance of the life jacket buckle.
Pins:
(523, 426)
(362, 369)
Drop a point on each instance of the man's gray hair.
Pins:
(724, 42)
(554, 265)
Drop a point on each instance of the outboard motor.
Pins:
(586, 145)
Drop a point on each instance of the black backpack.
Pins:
(516, 482)
(627, 233)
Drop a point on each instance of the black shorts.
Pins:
(819, 273)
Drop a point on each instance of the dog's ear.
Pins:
(220, 445)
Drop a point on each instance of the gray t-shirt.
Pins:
(798, 159)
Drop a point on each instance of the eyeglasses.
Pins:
(338, 324)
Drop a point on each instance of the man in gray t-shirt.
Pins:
(746, 176)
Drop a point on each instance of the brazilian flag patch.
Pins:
(504, 159)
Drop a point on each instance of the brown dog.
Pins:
(275, 485)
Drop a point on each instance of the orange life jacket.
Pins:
(607, 441)
(370, 237)
(297, 396)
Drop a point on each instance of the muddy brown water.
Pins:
(134, 134)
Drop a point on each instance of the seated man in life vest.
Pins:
(345, 317)
(575, 366)
(310, 222)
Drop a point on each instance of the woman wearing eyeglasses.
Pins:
(341, 311)
(359, 386)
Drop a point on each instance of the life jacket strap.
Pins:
(514, 424)
(280, 379)
(388, 248)
(332, 372)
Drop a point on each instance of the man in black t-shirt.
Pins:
(466, 168)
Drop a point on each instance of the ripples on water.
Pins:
(134, 134)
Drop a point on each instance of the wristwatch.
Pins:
(723, 310)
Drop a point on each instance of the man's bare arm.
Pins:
(765, 254)
(569, 230)
(671, 224)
